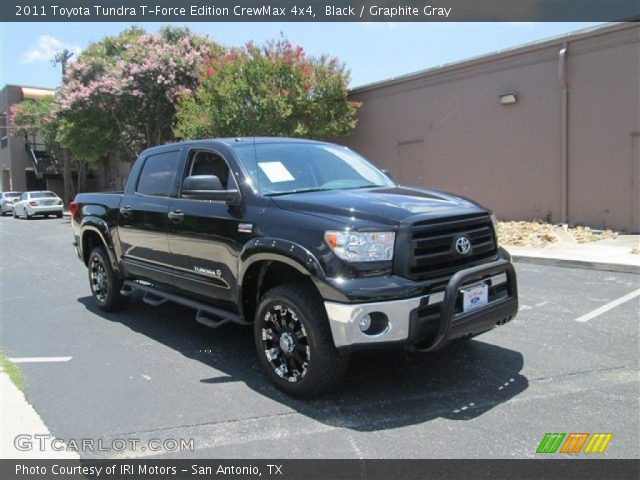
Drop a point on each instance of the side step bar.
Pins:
(153, 299)
(208, 315)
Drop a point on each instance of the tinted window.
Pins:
(157, 174)
(208, 163)
(42, 195)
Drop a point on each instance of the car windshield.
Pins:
(42, 195)
(285, 168)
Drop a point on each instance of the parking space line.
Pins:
(39, 359)
(605, 308)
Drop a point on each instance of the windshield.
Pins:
(283, 168)
(42, 195)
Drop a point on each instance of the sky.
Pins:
(372, 51)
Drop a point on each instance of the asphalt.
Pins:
(153, 373)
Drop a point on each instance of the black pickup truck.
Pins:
(308, 242)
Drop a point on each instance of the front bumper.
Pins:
(430, 320)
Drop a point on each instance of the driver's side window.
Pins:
(202, 162)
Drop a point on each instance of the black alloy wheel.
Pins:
(294, 343)
(285, 343)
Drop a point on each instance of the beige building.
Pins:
(24, 162)
(546, 130)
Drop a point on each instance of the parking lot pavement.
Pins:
(153, 373)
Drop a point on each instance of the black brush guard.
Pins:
(454, 325)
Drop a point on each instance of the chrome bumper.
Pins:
(344, 318)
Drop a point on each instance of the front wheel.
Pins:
(105, 284)
(25, 214)
(294, 342)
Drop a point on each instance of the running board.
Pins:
(208, 315)
(154, 300)
(204, 319)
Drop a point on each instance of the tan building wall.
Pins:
(445, 128)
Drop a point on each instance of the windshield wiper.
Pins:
(301, 190)
(364, 186)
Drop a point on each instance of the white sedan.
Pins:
(6, 201)
(31, 204)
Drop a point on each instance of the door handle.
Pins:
(126, 210)
(176, 215)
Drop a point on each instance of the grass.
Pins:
(12, 371)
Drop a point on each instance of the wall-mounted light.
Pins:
(508, 98)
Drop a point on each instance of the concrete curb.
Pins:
(561, 262)
(19, 418)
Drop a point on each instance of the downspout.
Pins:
(564, 134)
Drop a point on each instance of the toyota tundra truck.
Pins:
(307, 242)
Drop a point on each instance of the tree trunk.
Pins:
(66, 177)
(83, 170)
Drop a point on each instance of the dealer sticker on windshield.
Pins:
(276, 172)
(474, 297)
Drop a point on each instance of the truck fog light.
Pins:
(365, 322)
(374, 323)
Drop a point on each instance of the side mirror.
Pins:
(208, 187)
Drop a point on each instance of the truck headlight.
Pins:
(361, 246)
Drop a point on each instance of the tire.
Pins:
(59, 215)
(15, 215)
(25, 214)
(306, 361)
(104, 282)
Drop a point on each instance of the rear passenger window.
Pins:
(158, 173)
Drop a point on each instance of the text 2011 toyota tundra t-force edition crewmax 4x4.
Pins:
(316, 248)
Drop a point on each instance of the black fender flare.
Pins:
(99, 226)
(270, 250)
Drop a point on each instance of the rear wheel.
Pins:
(294, 341)
(59, 214)
(104, 282)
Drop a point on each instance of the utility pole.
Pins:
(61, 58)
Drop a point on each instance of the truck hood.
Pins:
(386, 205)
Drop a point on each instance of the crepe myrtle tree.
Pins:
(36, 118)
(274, 90)
(121, 93)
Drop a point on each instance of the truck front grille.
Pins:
(433, 251)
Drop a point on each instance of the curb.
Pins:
(562, 262)
(20, 418)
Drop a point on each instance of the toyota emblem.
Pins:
(463, 245)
